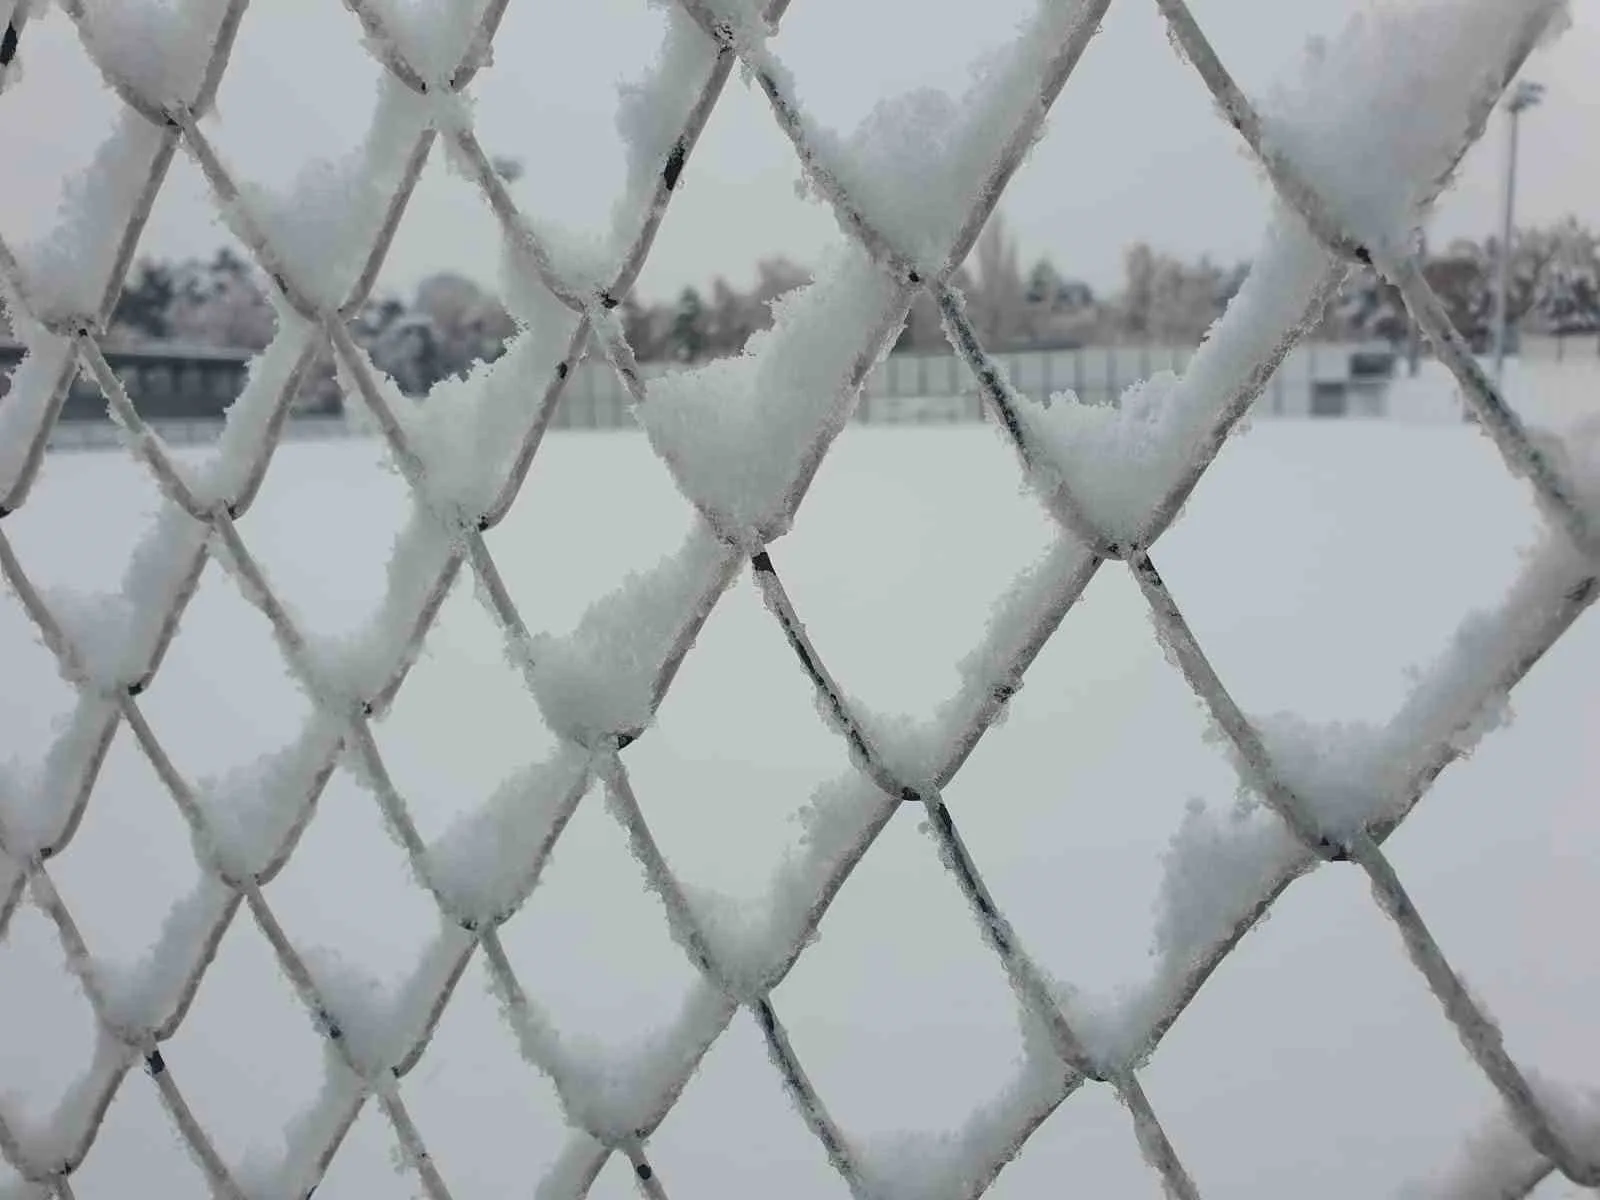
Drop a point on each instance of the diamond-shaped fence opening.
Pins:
(1355, 152)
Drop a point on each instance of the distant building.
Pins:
(1350, 381)
(166, 382)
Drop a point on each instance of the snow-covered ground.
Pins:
(1317, 562)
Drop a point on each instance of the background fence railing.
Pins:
(1315, 379)
(186, 395)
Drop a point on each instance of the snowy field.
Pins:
(1318, 563)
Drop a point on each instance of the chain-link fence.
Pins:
(1380, 120)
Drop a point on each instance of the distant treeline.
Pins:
(449, 323)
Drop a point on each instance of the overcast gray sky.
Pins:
(1132, 152)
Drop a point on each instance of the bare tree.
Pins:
(1167, 300)
(999, 296)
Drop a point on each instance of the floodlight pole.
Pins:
(1523, 96)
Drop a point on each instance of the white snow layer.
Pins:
(599, 680)
(485, 861)
(140, 998)
(37, 801)
(377, 1028)
(1218, 868)
(356, 667)
(738, 436)
(294, 1170)
(611, 1092)
(160, 49)
(1349, 775)
(433, 36)
(1121, 463)
(650, 117)
(467, 431)
(651, 113)
(737, 433)
(68, 271)
(32, 385)
(754, 945)
(1497, 1160)
(322, 227)
(916, 164)
(115, 633)
(574, 1169)
(251, 811)
(222, 476)
(991, 672)
(1352, 775)
(953, 1165)
(1375, 117)
(50, 1140)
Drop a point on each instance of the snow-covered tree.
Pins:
(376, 315)
(468, 325)
(1566, 297)
(220, 303)
(409, 352)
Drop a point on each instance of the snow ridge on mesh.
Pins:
(735, 432)
(1378, 113)
(1119, 462)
